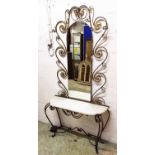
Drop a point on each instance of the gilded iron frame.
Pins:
(99, 26)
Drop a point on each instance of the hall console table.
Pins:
(79, 28)
(77, 109)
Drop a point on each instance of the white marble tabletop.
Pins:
(77, 106)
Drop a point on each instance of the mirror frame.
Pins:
(99, 26)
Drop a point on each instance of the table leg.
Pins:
(53, 127)
(101, 127)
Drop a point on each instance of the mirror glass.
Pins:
(79, 47)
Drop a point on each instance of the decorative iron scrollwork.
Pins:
(99, 26)
(98, 118)
(73, 114)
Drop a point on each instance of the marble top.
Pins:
(77, 106)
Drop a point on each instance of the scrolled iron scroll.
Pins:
(99, 26)
(71, 113)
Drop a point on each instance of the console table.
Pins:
(77, 109)
(80, 48)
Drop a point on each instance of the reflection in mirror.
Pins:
(79, 47)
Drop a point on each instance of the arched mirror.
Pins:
(79, 51)
(80, 39)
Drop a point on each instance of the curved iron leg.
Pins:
(45, 109)
(102, 126)
(53, 127)
(99, 120)
(107, 119)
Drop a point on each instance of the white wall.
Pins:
(47, 66)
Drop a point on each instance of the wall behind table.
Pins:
(47, 67)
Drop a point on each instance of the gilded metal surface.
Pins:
(99, 27)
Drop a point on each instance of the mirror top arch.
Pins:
(99, 27)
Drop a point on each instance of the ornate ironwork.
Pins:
(98, 119)
(73, 114)
(99, 26)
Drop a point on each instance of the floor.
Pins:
(68, 144)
